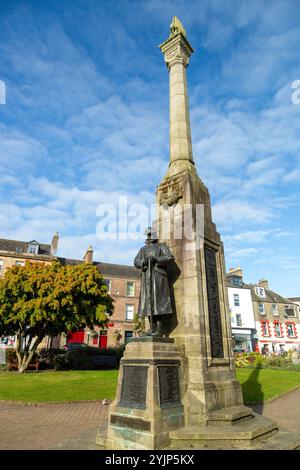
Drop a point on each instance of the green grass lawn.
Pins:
(263, 384)
(58, 386)
(258, 385)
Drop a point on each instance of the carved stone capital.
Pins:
(176, 49)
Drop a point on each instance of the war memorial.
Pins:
(177, 387)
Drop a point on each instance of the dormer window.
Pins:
(33, 247)
(260, 291)
(237, 281)
(290, 311)
(19, 250)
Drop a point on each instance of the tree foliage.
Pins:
(38, 300)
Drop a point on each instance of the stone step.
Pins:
(242, 435)
(282, 440)
(230, 416)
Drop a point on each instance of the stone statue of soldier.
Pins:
(155, 302)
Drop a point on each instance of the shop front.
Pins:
(242, 340)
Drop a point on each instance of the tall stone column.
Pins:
(177, 52)
(202, 327)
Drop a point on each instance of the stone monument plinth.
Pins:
(147, 405)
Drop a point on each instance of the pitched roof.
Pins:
(12, 245)
(107, 269)
(270, 296)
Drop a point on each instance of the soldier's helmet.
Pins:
(151, 234)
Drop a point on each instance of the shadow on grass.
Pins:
(253, 391)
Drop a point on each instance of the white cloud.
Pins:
(234, 213)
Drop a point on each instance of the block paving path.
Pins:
(285, 410)
(48, 425)
(74, 425)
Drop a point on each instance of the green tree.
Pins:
(38, 300)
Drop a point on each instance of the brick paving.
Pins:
(50, 426)
(32, 427)
(285, 410)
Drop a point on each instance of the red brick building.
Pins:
(124, 288)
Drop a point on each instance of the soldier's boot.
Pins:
(159, 331)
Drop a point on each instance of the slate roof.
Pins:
(12, 245)
(107, 269)
(294, 299)
(270, 296)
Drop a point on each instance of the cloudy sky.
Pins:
(86, 118)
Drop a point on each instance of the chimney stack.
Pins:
(54, 244)
(88, 257)
(264, 283)
(236, 272)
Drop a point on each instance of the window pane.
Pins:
(265, 329)
(129, 312)
(290, 330)
(274, 309)
(130, 289)
(277, 329)
(261, 308)
(128, 335)
(20, 263)
(290, 311)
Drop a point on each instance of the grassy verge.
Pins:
(257, 384)
(58, 386)
(263, 384)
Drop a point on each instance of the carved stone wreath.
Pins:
(171, 193)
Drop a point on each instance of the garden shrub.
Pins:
(11, 356)
(77, 360)
(258, 361)
(48, 357)
(117, 351)
(80, 359)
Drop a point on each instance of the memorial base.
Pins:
(147, 405)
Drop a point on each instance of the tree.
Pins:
(38, 300)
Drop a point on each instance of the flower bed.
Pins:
(289, 361)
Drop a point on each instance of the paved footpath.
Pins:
(285, 411)
(48, 426)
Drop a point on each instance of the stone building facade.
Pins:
(275, 324)
(15, 252)
(241, 312)
(276, 318)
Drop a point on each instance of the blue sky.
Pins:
(87, 117)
